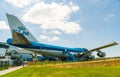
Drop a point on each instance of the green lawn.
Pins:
(2, 68)
(66, 72)
(80, 69)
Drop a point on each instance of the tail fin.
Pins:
(17, 26)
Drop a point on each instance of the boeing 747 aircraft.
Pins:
(21, 37)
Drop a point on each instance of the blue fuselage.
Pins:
(49, 50)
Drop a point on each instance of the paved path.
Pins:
(3, 72)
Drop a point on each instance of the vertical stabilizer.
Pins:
(17, 26)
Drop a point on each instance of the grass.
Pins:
(109, 68)
(2, 68)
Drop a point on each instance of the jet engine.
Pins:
(92, 57)
(101, 54)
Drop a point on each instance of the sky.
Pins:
(71, 23)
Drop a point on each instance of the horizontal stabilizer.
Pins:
(4, 45)
(20, 39)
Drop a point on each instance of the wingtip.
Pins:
(115, 43)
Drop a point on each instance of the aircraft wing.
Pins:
(102, 47)
(19, 38)
(98, 48)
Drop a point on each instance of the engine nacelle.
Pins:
(101, 54)
(92, 57)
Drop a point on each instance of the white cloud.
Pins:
(67, 27)
(53, 17)
(3, 25)
(40, 13)
(53, 32)
(74, 8)
(56, 32)
(19, 3)
(49, 39)
(109, 16)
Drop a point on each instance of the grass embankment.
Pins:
(109, 68)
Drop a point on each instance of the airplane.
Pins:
(21, 37)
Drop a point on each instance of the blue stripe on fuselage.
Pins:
(36, 45)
